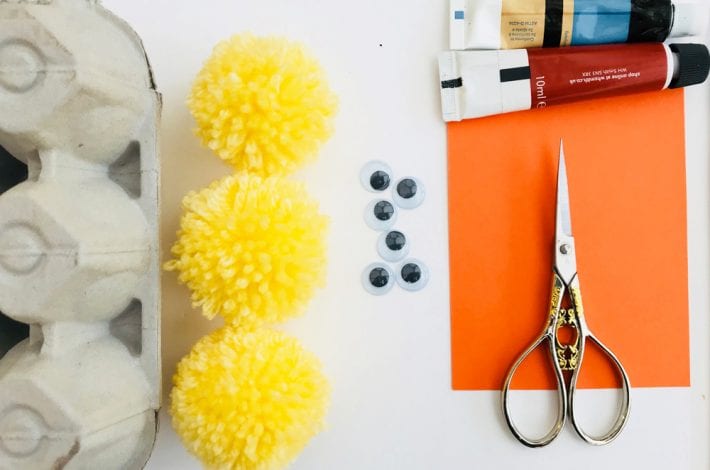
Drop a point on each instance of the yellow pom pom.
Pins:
(251, 249)
(262, 104)
(248, 400)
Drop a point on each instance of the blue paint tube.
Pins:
(525, 24)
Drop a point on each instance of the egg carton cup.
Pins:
(79, 251)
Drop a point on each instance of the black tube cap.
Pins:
(693, 64)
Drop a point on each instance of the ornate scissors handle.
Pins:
(549, 334)
(566, 357)
(585, 335)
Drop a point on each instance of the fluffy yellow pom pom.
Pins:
(262, 104)
(251, 249)
(248, 400)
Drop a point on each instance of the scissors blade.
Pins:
(564, 220)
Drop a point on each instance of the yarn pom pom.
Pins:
(251, 249)
(248, 400)
(262, 104)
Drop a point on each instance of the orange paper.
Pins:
(626, 168)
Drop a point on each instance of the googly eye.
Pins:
(376, 176)
(378, 279)
(409, 193)
(393, 246)
(412, 275)
(380, 215)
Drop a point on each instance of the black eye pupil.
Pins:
(411, 273)
(407, 188)
(380, 181)
(379, 277)
(384, 210)
(396, 241)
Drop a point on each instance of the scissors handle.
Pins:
(567, 358)
(561, 397)
(623, 412)
(549, 334)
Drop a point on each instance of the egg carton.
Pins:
(79, 251)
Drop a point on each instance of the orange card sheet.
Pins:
(626, 168)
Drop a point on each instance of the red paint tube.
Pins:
(484, 83)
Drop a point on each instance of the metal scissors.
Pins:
(566, 358)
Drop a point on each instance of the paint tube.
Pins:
(524, 24)
(484, 83)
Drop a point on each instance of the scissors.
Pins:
(566, 358)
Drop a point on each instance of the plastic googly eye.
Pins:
(409, 193)
(376, 176)
(412, 275)
(393, 246)
(378, 279)
(380, 215)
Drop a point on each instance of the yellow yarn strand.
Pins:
(262, 104)
(251, 249)
(248, 400)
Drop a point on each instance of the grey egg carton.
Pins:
(79, 248)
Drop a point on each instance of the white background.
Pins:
(388, 358)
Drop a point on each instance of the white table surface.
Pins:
(388, 358)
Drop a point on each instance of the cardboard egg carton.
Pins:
(79, 253)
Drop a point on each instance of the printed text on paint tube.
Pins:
(603, 75)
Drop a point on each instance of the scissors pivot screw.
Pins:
(565, 249)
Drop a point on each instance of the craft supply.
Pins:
(80, 362)
(413, 275)
(248, 400)
(376, 176)
(263, 104)
(378, 279)
(484, 83)
(251, 249)
(566, 357)
(393, 246)
(519, 24)
(380, 215)
(408, 193)
(626, 205)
